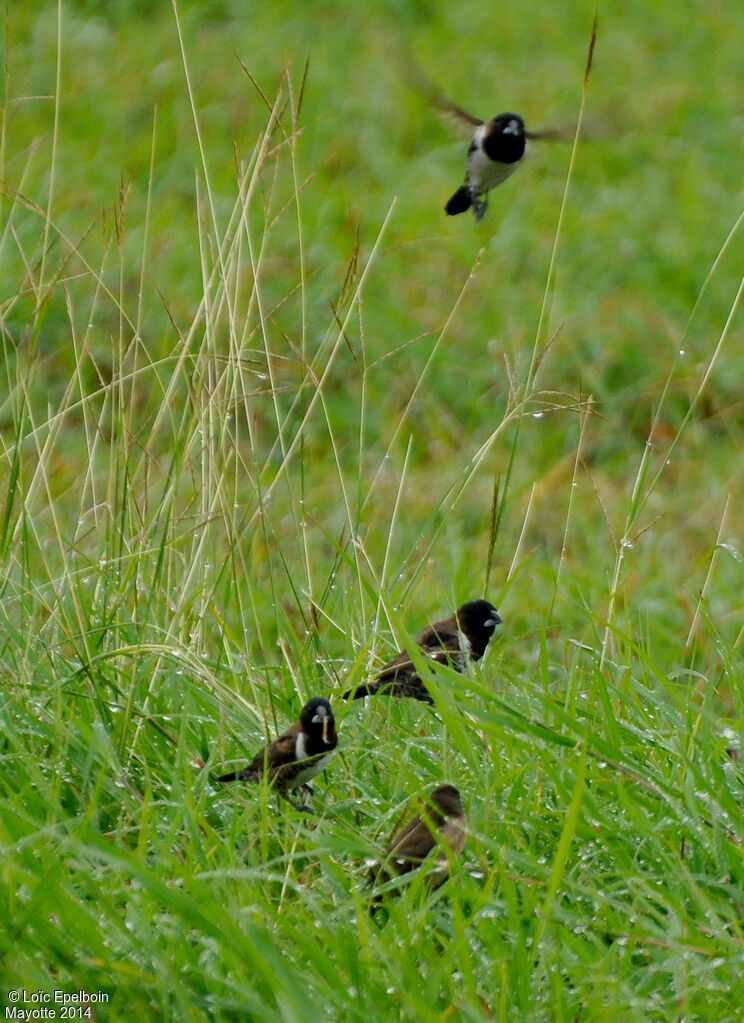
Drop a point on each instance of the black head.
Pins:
(317, 719)
(508, 124)
(447, 800)
(505, 138)
(478, 619)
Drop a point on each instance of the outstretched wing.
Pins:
(417, 79)
(455, 111)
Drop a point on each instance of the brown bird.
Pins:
(439, 824)
(290, 761)
(454, 641)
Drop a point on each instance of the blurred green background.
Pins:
(655, 191)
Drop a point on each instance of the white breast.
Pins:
(483, 172)
(312, 769)
(464, 642)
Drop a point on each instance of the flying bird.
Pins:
(439, 824)
(454, 641)
(292, 760)
(496, 150)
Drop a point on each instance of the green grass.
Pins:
(265, 411)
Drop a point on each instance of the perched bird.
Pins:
(290, 761)
(439, 824)
(453, 642)
(497, 149)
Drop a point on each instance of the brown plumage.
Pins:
(454, 641)
(439, 824)
(292, 759)
(420, 82)
(468, 121)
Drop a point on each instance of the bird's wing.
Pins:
(435, 642)
(455, 111)
(438, 637)
(412, 844)
(453, 834)
(401, 661)
(279, 752)
(418, 80)
(441, 644)
(550, 135)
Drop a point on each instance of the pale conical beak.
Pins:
(323, 716)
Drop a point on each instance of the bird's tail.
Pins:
(460, 201)
(238, 776)
(359, 693)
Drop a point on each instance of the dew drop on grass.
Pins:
(537, 415)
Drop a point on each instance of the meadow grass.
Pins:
(265, 412)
